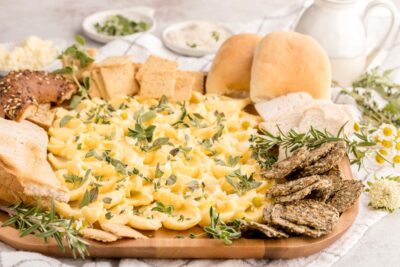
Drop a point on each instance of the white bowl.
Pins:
(185, 50)
(140, 13)
(59, 44)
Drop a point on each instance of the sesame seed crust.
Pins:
(20, 90)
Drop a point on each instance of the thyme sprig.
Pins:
(220, 230)
(263, 144)
(379, 82)
(46, 225)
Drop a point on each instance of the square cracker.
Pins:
(158, 83)
(199, 80)
(94, 90)
(183, 86)
(114, 61)
(155, 63)
(119, 80)
(99, 83)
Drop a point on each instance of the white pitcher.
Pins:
(338, 26)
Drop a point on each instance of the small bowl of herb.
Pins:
(109, 25)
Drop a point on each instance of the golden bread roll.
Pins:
(230, 71)
(288, 62)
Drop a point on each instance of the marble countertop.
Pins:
(18, 19)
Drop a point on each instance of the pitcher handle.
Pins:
(390, 35)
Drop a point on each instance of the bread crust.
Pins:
(231, 68)
(288, 62)
(25, 174)
(21, 92)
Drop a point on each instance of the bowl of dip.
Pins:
(108, 25)
(195, 38)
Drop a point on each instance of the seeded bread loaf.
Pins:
(21, 92)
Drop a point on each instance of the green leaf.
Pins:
(72, 178)
(171, 180)
(76, 99)
(64, 71)
(29, 230)
(109, 215)
(158, 173)
(89, 197)
(65, 120)
(80, 39)
(107, 200)
(91, 153)
(148, 116)
(193, 185)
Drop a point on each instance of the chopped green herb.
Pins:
(215, 35)
(89, 197)
(192, 236)
(241, 182)
(193, 185)
(160, 207)
(65, 120)
(159, 173)
(118, 25)
(171, 180)
(107, 200)
(219, 230)
(109, 215)
(72, 178)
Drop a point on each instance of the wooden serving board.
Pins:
(165, 244)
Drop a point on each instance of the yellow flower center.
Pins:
(379, 159)
(398, 146)
(387, 131)
(396, 159)
(356, 127)
(386, 143)
(383, 152)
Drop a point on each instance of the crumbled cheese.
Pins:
(385, 194)
(33, 53)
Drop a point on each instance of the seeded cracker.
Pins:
(298, 189)
(335, 152)
(347, 195)
(305, 217)
(284, 168)
(250, 229)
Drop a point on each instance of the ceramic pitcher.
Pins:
(341, 30)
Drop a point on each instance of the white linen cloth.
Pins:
(143, 45)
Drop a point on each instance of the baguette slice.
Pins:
(25, 174)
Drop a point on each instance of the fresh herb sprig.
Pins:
(242, 182)
(379, 82)
(160, 207)
(118, 25)
(262, 144)
(46, 225)
(75, 58)
(220, 230)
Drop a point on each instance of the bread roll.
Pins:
(230, 71)
(287, 62)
